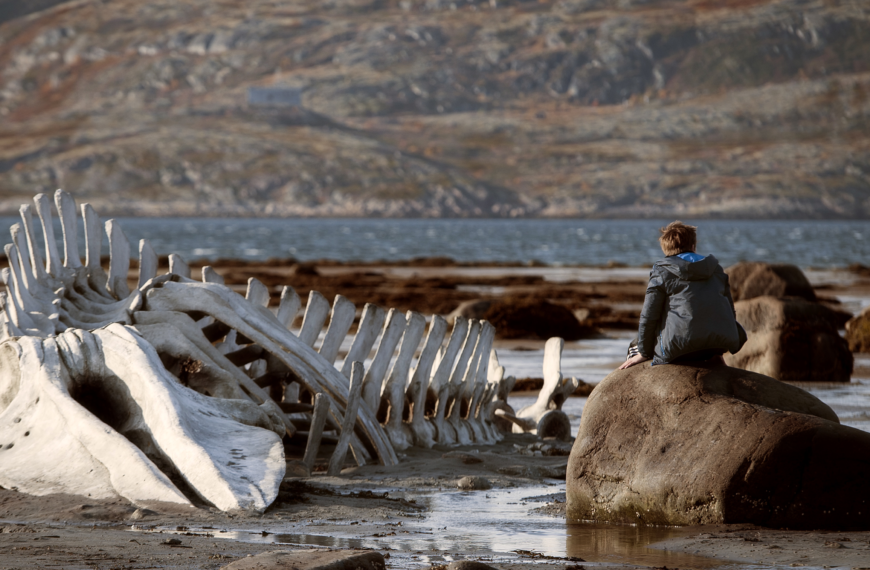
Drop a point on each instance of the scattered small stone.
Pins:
(474, 483)
(140, 514)
(832, 544)
(171, 542)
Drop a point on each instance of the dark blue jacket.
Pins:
(688, 309)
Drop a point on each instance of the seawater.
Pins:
(806, 243)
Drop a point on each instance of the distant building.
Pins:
(275, 96)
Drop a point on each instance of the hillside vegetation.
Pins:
(605, 108)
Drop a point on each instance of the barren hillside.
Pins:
(606, 108)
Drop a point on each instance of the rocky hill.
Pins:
(605, 108)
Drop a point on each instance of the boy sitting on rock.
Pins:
(688, 314)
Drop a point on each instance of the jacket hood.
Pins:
(697, 271)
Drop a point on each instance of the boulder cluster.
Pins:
(721, 443)
(688, 445)
(792, 336)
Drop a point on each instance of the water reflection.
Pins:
(629, 544)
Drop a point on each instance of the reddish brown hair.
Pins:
(678, 237)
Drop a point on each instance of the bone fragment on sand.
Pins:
(315, 432)
(353, 402)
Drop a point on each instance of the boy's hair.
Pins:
(678, 237)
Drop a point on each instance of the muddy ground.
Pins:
(380, 502)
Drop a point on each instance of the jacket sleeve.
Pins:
(727, 294)
(651, 315)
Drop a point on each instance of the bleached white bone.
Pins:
(25, 302)
(447, 397)
(194, 334)
(58, 445)
(31, 324)
(96, 277)
(315, 432)
(209, 275)
(340, 320)
(178, 266)
(394, 389)
(467, 430)
(374, 378)
(28, 279)
(147, 263)
(36, 260)
(370, 324)
(475, 391)
(172, 424)
(315, 315)
(288, 307)
(353, 403)
(261, 326)
(119, 260)
(257, 293)
(66, 208)
(422, 430)
(167, 340)
(43, 209)
(552, 394)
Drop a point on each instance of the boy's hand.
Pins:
(636, 359)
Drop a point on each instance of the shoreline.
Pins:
(351, 511)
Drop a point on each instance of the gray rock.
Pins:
(474, 483)
(688, 445)
(311, 560)
(792, 340)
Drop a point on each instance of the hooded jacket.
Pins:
(688, 308)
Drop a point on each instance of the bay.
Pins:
(806, 243)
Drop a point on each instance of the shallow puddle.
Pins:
(500, 524)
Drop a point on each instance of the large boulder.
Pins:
(750, 279)
(689, 445)
(858, 332)
(534, 319)
(792, 340)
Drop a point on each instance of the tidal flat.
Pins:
(415, 512)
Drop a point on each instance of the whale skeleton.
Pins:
(181, 391)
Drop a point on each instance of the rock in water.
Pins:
(792, 340)
(688, 445)
(858, 332)
(530, 318)
(750, 279)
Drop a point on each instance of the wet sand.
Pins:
(392, 509)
